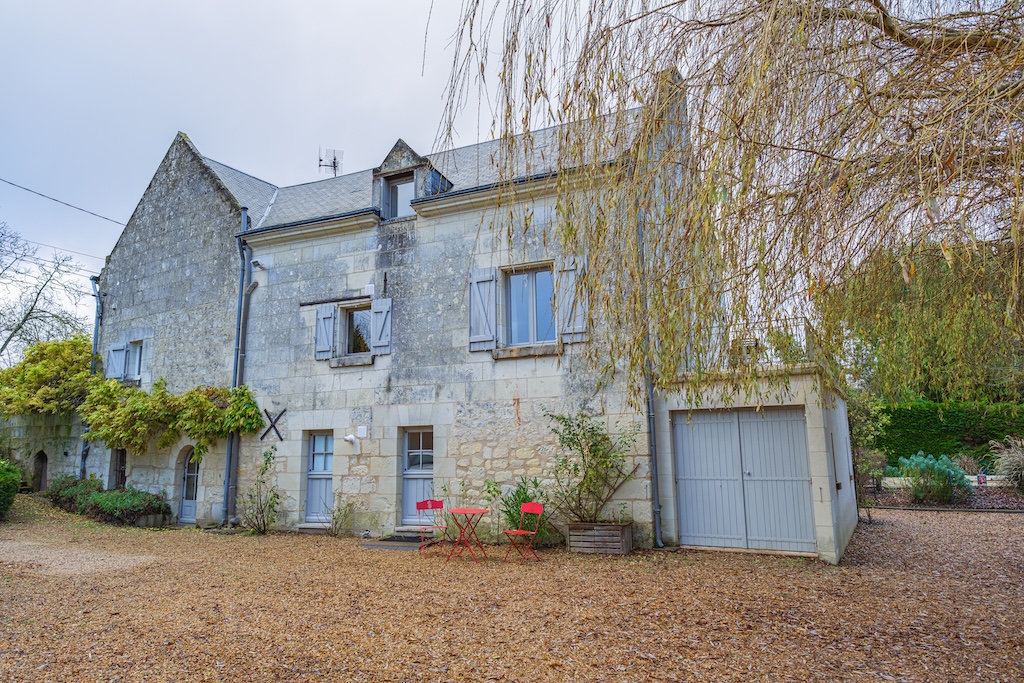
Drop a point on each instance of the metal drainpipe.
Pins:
(648, 372)
(242, 271)
(95, 279)
(243, 336)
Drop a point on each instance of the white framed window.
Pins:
(398, 195)
(530, 304)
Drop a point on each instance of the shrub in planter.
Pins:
(125, 506)
(593, 468)
(71, 494)
(1009, 460)
(933, 480)
(10, 481)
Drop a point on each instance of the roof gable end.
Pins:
(402, 157)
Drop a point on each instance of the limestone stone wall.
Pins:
(485, 408)
(56, 440)
(171, 283)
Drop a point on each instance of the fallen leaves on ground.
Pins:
(920, 596)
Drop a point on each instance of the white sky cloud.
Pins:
(93, 94)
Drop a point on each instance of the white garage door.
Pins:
(743, 479)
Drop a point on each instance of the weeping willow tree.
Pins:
(819, 140)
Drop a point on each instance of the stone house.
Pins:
(401, 348)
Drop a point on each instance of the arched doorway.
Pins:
(39, 472)
(189, 487)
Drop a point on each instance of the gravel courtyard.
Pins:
(920, 596)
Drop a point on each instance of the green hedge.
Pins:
(87, 497)
(72, 494)
(125, 507)
(10, 482)
(948, 428)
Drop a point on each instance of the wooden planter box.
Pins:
(601, 537)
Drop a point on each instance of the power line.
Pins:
(70, 251)
(76, 208)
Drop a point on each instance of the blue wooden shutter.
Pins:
(116, 359)
(380, 326)
(483, 320)
(324, 341)
(571, 302)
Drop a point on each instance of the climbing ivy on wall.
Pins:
(128, 417)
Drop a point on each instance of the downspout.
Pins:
(649, 381)
(94, 280)
(231, 461)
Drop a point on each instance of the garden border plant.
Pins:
(259, 505)
(933, 479)
(10, 482)
(86, 497)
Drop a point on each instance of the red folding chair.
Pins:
(521, 539)
(430, 516)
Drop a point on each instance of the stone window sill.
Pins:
(531, 351)
(352, 361)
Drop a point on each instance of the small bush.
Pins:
(125, 506)
(342, 517)
(1009, 460)
(933, 480)
(10, 481)
(71, 494)
(510, 506)
(258, 505)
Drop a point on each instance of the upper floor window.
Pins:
(398, 195)
(356, 329)
(133, 369)
(531, 306)
(540, 304)
(125, 361)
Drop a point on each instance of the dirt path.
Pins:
(919, 597)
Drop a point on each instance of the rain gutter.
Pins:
(94, 280)
(245, 287)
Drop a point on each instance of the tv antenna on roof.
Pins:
(332, 158)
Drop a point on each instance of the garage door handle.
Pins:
(749, 474)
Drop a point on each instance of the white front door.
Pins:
(319, 472)
(189, 487)
(417, 472)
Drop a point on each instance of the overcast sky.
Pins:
(93, 94)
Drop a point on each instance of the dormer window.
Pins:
(399, 193)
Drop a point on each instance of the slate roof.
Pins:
(468, 168)
(250, 191)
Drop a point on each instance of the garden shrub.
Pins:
(1009, 460)
(10, 482)
(933, 480)
(71, 494)
(510, 506)
(125, 506)
(259, 504)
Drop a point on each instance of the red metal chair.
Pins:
(521, 539)
(430, 516)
